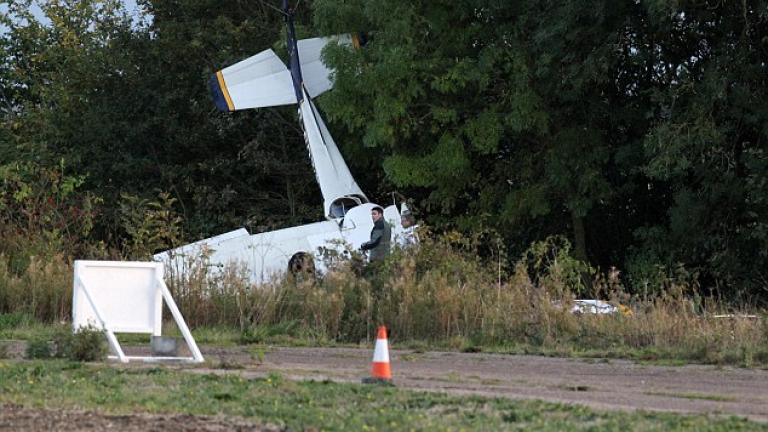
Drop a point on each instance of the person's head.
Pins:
(377, 213)
(407, 220)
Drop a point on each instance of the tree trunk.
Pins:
(579, 237)
(580, 249)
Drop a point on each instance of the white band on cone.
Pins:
(381, 352)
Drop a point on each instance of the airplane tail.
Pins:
(263, 80)
(258, 81)
(339, 189)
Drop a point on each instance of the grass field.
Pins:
(310, 405)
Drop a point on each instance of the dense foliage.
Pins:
(637, 129)
(127, 108)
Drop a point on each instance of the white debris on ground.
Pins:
(593, 307)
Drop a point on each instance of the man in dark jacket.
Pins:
(380, 237)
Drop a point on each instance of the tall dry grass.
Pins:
(442, 294)
(43, 290)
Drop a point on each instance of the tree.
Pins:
(708, 144)
(490, 113)
(127, 106)
(636, 127)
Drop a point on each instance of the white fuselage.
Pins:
(264, 256)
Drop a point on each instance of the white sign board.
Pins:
(124, 297)
(125, 293)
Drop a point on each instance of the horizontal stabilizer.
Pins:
(317, 77)
(264, 81)
(256, 82)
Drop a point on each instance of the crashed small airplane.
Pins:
(264, 81)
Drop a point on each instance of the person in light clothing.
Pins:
(409, 237)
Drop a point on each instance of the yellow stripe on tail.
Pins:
(224, 91)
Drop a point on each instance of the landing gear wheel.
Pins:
(301, 266)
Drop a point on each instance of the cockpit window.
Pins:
(341, 206)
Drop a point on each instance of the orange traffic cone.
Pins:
(380, 371)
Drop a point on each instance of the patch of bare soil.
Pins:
(16, 418)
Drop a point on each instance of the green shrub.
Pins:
(9, 321)
(149, 225)
(253, 335)
(39, 348)
(43, 214)
(87, 344)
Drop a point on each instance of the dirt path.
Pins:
(602, 384)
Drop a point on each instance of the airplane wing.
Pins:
(258, 81)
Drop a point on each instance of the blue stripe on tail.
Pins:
(218, 94)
